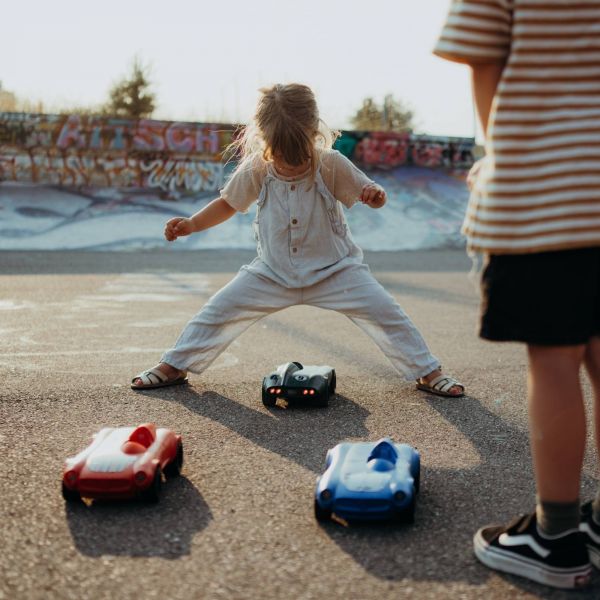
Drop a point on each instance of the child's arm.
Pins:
(348, 183)
(212, 214)
(485, 78)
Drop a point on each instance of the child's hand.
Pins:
(474, 172)
(373, 195)
(177, 227)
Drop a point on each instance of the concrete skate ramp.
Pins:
(424, 210)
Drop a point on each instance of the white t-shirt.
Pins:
(301, 233)
(342, 178)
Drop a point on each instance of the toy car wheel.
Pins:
(408, 514)
(321, 514)
(322, 399)
(332, 383)
(152, 494)
(173, 469)
(70, 495)
(268, 400)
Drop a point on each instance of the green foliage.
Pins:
(393, 115)
(131, 97)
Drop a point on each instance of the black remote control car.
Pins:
(294, 382)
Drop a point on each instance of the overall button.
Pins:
(293, 187)
(294, 249)
(294, 221)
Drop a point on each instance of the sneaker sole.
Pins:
(594, 555)
(592, 545)
(506, 562)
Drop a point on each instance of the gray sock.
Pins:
(556, 517)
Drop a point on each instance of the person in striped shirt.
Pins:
(534, 212)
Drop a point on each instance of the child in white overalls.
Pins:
(306, 254)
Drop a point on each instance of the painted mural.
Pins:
(425, 209)
(386, 150)
(78, 182)
(172, 158)
(175, 157)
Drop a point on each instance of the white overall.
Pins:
(306, 255)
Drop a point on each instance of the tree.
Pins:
(393, 115)
(131, 97)
(8, 100)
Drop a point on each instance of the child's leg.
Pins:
(224, 317)
(547, 546)
(357, 294)
(557, 425)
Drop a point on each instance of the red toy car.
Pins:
(123, 462)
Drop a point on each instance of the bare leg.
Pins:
(556, 420)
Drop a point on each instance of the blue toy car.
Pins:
(369, 481)
(293, 382)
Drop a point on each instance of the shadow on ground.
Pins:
(452, 504)
(302, 435)
(163, 530)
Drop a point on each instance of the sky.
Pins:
(207, 59)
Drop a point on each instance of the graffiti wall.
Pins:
(173, 158)
(386, 150)
(79, 182)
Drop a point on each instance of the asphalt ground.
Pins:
(75, 327)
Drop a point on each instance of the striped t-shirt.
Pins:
(539, 185)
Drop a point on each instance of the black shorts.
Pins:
(547, 298)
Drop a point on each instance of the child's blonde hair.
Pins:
(287, 125)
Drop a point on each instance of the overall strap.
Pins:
(263, 190)
(336, 218)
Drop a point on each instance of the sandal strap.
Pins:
(151, 377)
(443, 383)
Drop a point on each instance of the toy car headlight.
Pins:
(399, 496)
(71, 477)
(325, 495)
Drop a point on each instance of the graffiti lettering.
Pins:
(101, 134)
(388, 150)
(427, 155)
(149, 136)
(72, 169)
(78, 150)
(175, 157)
(71, 135)
(173, 175)
(383, 150)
